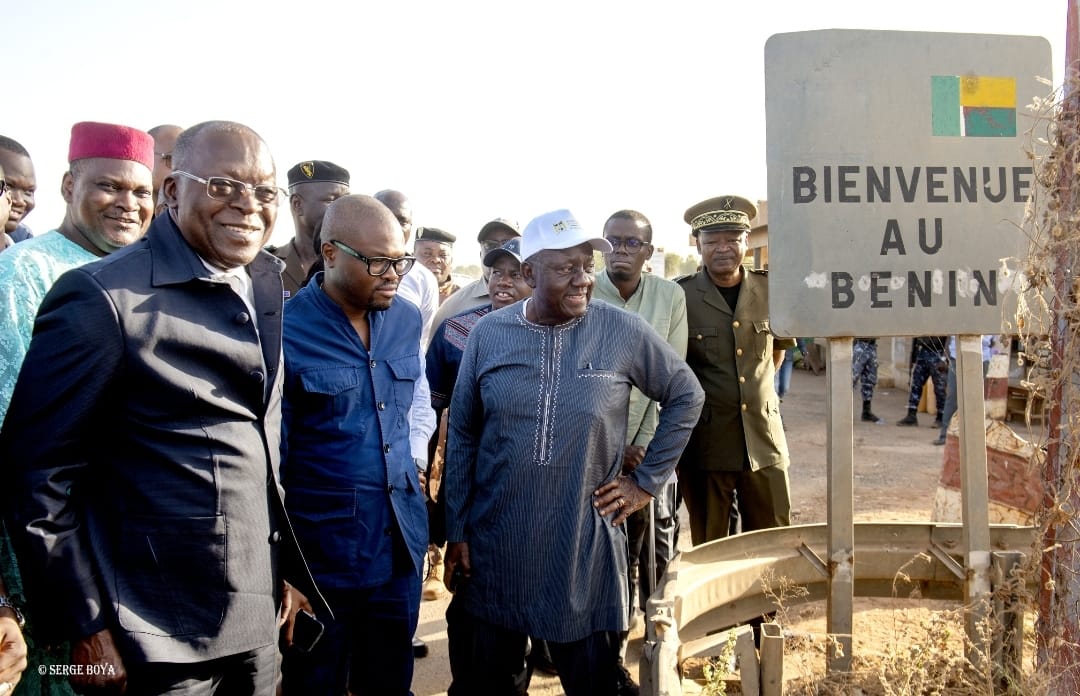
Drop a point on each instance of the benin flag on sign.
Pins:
(973, 106)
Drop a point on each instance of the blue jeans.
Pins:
(951, 402)
(782, 381)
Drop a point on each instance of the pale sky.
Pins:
(474, 109)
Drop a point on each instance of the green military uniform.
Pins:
(292, 278)
(738, 446)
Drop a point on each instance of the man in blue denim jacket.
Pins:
(352, 368)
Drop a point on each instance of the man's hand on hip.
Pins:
(621, 496)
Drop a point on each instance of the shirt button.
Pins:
(742, 380)
(386, 448)
(275, 537)
(371, 364)
(257, 376)
(382, 405)
(735, 323)
(738, 351)
(242, 318)
(390, 488)
(699, 337)
(744, 407)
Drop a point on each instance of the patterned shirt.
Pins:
(27, 271)
(444, 354)
(537, 423)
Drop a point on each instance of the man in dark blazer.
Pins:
(142, 440)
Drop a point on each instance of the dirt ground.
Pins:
(896, 476)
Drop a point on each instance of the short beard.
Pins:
(620, 275)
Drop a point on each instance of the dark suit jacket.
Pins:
(143, 443)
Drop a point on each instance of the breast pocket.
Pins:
(405, 370)
(328, 395)
(762, 339)
(703, 345)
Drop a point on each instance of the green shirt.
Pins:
(662, 303)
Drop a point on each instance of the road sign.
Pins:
(898, 178)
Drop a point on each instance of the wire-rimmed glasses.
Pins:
(222, 188)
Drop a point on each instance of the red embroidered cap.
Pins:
(92, 139)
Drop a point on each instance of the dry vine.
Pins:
(1048, 322)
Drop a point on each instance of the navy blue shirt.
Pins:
(351, 488)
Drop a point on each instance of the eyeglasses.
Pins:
(632, 244)
(225, 189)
(166, 157)
(378, 265)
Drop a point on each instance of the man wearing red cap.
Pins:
(143, 438)
(107, 189)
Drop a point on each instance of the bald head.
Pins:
(164, 141)
(357, 218)
(401, 208)
(361, 225)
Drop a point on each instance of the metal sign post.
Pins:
(840, 516)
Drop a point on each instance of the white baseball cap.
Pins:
(558, 229)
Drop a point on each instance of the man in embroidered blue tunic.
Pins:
(535, 497)
(352, 363)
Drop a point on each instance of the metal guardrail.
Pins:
(719, 584)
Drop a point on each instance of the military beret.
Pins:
(312, 171)
(434, 234)
(720, 213)
(498, 223)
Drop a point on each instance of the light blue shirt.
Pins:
(27, 272)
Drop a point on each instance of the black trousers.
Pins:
(251, 673)
(490, 660)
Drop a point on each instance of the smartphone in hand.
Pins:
(306, 631)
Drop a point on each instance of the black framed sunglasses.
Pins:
(378, 265)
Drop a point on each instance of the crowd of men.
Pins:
(237, 469)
